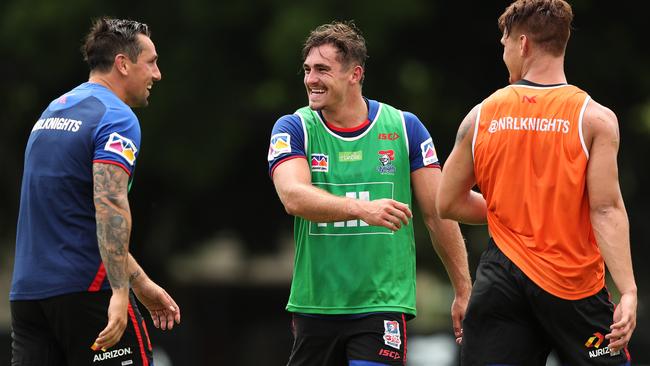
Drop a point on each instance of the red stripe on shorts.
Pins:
(136, 327)
(146, 333)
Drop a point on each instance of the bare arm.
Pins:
(163, 309)
(447, 241)
(608, 216)
(455, 198)
(292, 181)
(113, 217)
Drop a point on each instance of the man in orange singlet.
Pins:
(543, 155)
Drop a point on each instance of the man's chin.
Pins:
(139, 104)
(315, 106)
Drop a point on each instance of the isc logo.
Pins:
(364, 196)
(388, 353)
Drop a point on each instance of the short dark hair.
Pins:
(108, 37)
(345, 36)
(546, 22)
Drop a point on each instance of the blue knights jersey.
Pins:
(56, 239)
(288, 138)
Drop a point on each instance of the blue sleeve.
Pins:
(422, 152)
(287, 141)
(117, 139)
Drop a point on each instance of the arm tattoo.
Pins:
(462, 131)
(113, 217)
(465, 126)
(134, 275)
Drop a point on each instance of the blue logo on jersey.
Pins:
(386, 166)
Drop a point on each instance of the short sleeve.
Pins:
(117, 139)
(287, 141)
(422, 152)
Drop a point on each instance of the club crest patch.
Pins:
(386, 158)
(429, 155)
(319, 163)
(122, 146)
(392, 334)
(280, 144)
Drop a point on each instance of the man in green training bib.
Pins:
(344, 166)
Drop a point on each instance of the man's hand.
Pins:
(117, 318)
(162, 308)
(458, 309)
(383, 212)
(624, 323)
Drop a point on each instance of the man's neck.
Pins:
(106, 81)
(349, 114)
(545, 70)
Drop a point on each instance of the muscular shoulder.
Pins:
(416, 132)
(467, 124)
(599, 121)
(412, 120)
(288, 123)
(596, 113)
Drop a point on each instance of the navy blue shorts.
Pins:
(60, 330)
(368, 340)
(512, 321)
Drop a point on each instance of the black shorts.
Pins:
(512, 321)
(60, 331)
(371, 339)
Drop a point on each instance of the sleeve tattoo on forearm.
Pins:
(113, 218)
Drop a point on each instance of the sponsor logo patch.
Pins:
(429, 155)
(350, 156)
(122, 146)
(280, 144)
(386, 158)
(594, 342)
(528, 99)
(319, 163)
(388, 136)
(108, 355)
(390, 354)
(391, 334)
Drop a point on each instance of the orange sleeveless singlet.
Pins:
(530, 164)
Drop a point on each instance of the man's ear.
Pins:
(121, 64)
(357, 74)
(524, 45)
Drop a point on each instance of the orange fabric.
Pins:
(530, 164)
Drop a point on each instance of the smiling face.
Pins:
(142, 74)
(327, 80)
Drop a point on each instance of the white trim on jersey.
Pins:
(582, 138)
(406, 135)
(304, 132)
(537, 87)
(478, 118)
(372, 124)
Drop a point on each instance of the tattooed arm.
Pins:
(113, 216)
(455, 199)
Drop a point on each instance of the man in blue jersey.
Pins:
(344, 167)
(71, 302)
